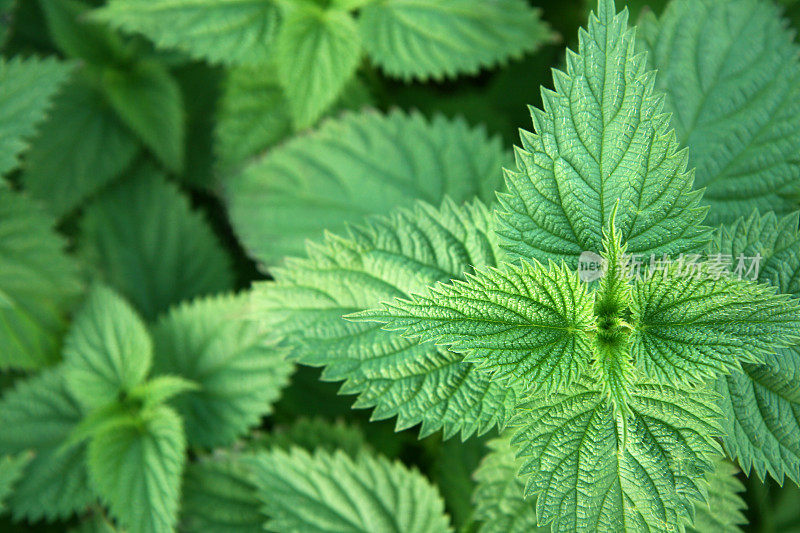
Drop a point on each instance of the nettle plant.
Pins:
(618, 396)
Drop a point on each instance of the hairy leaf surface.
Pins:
(732, 77)
(358, 165)
(392, 257)
(602, 140)
(592, 469)
(424, 39)
(213, 343)
(145, 240)
(332, 493)
(221, 31)
(39, 284)
(527, 323)
(761, 402)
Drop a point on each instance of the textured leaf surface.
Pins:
(63, 167)
(318, 433)
(221, 31)
(108, 350)
(213, 343)
(499, 502)
(327, 493)
(425, 39)
(138, 468)
(761, 403)
(146, 242)
(392, 257)
(732, 77)
(26, 89)
(688, 329)
(148, 100)
(11, 469)
(218, 497)
(594, 472)
(38, 415)
(601, 141)
(527, 323)
(355, 166)
(317, 51)
(39, 284)
(724, 512)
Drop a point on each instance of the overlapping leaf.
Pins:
(392, 257)
(358, 165)
(724, 512)
(221, 31)
(761, 402)
(602, 140)
(239, 374)
(732, 76)
(425, 39)
(39, 284)
(329, 493)
(530, 324)
(11, 469)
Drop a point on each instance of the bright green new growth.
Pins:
(332, 493)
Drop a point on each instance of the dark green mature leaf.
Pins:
(316, 52)
(214, 343)
(39, 284)
(108, 351)
(218, 497)
(65, 167)
(220, 31)
(147, 243)
(602, 142)
(11, 469)
(689, 328)
(137, 471)
(148, 99)
(332, 493)
(38, 414)
(424, 39)
(761, 403)
(595, 469)
(724, 512)
(392, 257)
(732, 76)
(26, 88)
(78, 37)
(318, 433)
(355, 166)
(527, 324)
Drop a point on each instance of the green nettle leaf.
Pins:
(731, 72)
(253, 115)
(332, 493)
(218, 497)
(63, 167)
(595, 470)
(725, 505)
(392, 257)
(239, 373)
(39, 284)
(27, 87)
(148, 99)
(146, 242)
(11, 469)
(220, 31)
(499, 502)
(361, 164)
(95, 524)
(38, 415)
(527, 323)
(687, 329)
(424, 39)
(108, 351)
(317, 433)
(317, 51)
(602, 140)
(761, 403)
(137, 471)
(78, 37)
